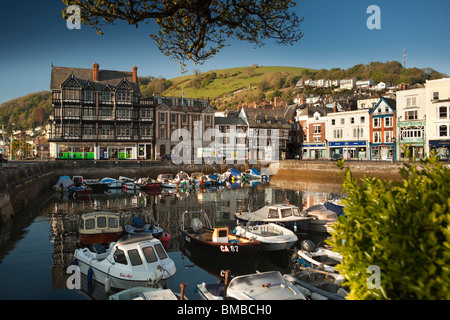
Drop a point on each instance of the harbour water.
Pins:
(37, 248)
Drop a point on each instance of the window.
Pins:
(352, 120)
(173, 118)
(184, 119)
(113, 222)
(286, 212)
(90, 224)
(317, 129)
(411, 101)
(162, 132)
(333, 122)
(149, 254)
(388, 121)
(443, 112)
(435, 95)
(101, 222)
(363, 119)
(135, 258)
(162, 117)
(376, 123)
(377, 137)
(342, 121)
(388, 135)
(273, 213)
(160, 251)
(411, 115)
(119, 257)
(337, 134)
(358, 133)
(443, 131)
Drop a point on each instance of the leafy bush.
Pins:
(402, 228)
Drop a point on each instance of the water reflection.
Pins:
(166, 207)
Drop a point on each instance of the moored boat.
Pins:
(63, 184)
(140, 224)
(310, 256)
(99, 227)
(269, 285)
(217, 240)
(286, 214)
(112, 183)
(322, 218)
(271, 235)
(166, 180)
(135, 262)
(149, 184)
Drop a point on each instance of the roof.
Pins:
(229, 121)
(106, 77)
(269, 118)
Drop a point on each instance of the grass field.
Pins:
(226, 81)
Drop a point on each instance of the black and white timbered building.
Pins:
(99, 114)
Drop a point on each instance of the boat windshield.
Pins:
(273, 213)
(296, 212)
(286, 212)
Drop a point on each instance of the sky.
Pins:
(33, 36)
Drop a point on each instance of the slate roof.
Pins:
(229, 121)
(268, 117)
(106, 77)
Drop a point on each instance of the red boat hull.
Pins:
(103, 238)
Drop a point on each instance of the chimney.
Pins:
(95, 71)
(135, 78)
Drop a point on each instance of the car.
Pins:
(336, 157)
(166, 157)
(3, 159)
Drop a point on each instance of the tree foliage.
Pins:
(197, 29)
(400, 227)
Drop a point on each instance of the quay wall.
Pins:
(24, 182)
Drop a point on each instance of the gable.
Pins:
(71, 81)
(124, 85)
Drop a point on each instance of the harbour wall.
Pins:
(25, 182)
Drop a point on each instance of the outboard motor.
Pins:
(308, 245)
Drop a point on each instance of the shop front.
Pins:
(441, 148)
(89, 151)
(349, 150)
(382, 151)
(314, 151)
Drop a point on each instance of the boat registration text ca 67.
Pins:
(225, 309)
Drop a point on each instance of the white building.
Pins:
(364, 83)
(348, 134)
(438, 116)
(411, 115)
(347, 84)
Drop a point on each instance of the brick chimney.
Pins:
(135, 77)
(95, 67)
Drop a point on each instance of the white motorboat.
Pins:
(112, 183)
(129, 184)
(322, 218)
(257, 286)
(271, 235)
(134, 262)
(166, 180)
(318, 285)
(64, 184)
(286, 214)
(144, 293)
(314, 257)
(182, 178)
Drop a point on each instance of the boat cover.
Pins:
(235, 172)
(255, 172)
(334, 207)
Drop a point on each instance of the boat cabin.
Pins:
(220, 235)
(283, 211)
(100, 222)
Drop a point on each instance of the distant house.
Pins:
(362, 84)
(383, 130)
(268, 132)
(347, 84)
(311, 128)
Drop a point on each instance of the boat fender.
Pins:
(90, 275)
(295, 227)
(75, 262)
(107, 285)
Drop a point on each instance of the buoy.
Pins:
(165, 236)
(295, 227)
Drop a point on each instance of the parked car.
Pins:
(336, 157)
(166, 157)
(3, 159)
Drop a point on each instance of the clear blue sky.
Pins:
(34, 35)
